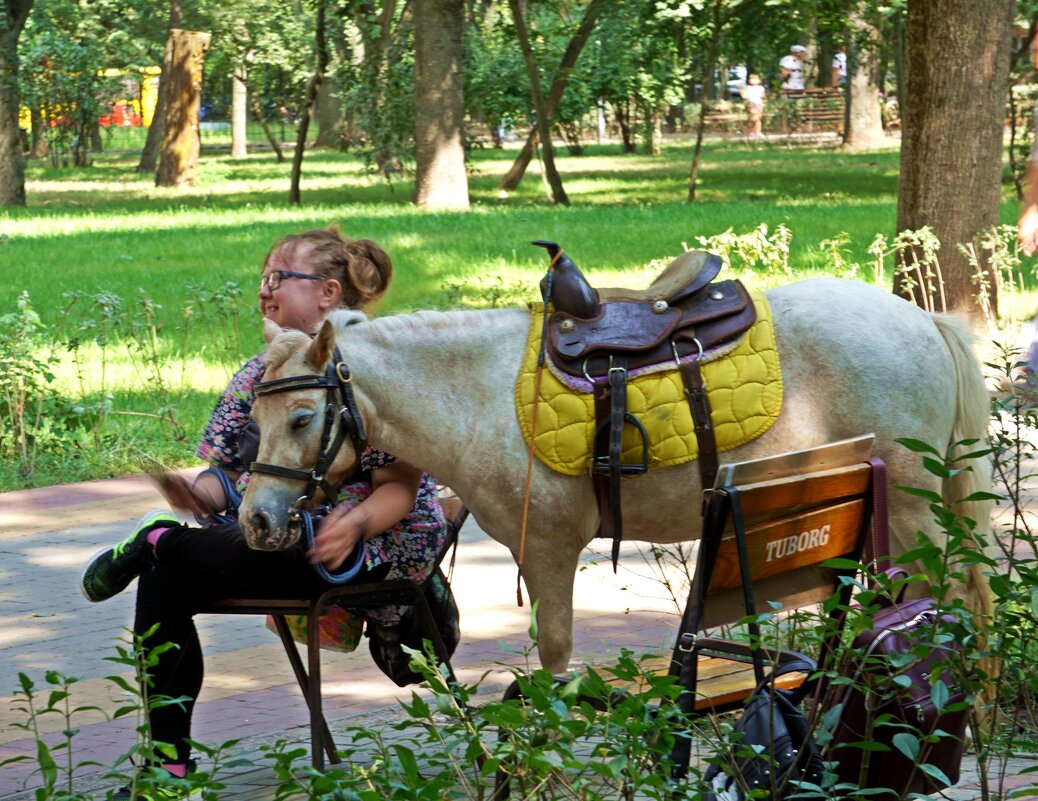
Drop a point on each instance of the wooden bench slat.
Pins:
(722, 683)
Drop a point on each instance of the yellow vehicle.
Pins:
(134, 109)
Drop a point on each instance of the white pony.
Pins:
(437, 390)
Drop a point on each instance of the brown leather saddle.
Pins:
(601, 334)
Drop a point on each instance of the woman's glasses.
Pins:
(272, 280)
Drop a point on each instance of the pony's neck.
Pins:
(428, 382)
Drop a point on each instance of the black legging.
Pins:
(193, 568)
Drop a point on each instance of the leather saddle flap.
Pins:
(713, 316)
(620, 325)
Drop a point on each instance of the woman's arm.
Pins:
(393, 494)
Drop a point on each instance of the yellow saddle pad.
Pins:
(744, 385)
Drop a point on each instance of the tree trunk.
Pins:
(40, 146)
(654, 133)
(558, 87)
(864, 114)
(313, 86)
(956, 69)
(623, 119)
(813, 67)
(239, 115)
(708, 70)
(178, 156)
(441, 181)
(540, 106)
(329, 113)
(97, 144)
(518, 169)
(12, 162)
(152, 142)
(257, 112)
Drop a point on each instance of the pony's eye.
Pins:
(302, 421)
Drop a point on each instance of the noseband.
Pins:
(341, 405)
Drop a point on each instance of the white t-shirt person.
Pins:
(839, 68)
(792, 67)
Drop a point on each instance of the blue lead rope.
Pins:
(354, 562)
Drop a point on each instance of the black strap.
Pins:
(341, 404)
(685, 660)
(699, 406)
(880, 543)
(312, 479)
(747, 584)
(607, 466)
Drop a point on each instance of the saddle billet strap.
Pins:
(607, 463)
(699, 405)
(607, 490)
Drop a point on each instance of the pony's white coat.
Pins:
(436, 389)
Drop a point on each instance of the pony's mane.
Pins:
(341, 318)
(387, 326)
(281, 348)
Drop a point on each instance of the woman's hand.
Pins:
(337, 536)
(203, 498)
(393, 494)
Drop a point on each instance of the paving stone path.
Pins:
(250, 695)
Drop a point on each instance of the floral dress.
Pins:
(221, 439)
(411, 546)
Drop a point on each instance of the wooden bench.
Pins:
(794, 512)
(402, 592)
(815, 111)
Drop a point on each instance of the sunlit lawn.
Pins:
(106, 228)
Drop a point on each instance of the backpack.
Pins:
(385, 641)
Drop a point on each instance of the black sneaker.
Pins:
(109, 571)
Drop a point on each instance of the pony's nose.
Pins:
(262, 526)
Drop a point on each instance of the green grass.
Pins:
(106, 228)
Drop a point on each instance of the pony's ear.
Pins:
(320, 350)
(270, 330)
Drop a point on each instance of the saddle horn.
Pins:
(567, 289)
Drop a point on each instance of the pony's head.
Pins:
(310, 431)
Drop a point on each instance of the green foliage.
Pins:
(754, 250)
(379, 95)
(272, 41)
(497, 91)
(58, 767)
(35, 417)
(66, 45)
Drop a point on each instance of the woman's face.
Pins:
(300, 303)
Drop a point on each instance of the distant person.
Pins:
(753, 92)
(1027, 223)
(839, 66)
(791, 69)
(1027, 235)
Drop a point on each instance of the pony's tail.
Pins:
(972, 416)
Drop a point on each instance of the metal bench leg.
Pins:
(321, 740)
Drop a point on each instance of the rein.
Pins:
(341, 405)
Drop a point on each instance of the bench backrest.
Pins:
(791, 525)
(795, 512)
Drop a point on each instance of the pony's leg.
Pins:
(549, 567)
